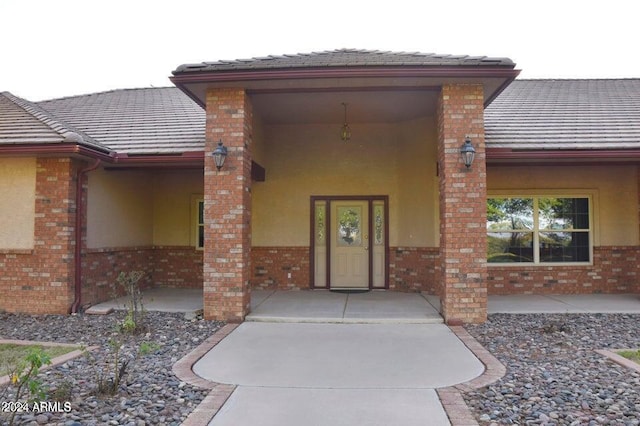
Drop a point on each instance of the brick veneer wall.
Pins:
(42, 280)
(101, 267)
(177, 267)
(410, 268)
(614, 270)
(272, 266)
(174, 267)
(414, 269)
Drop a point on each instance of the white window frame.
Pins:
(590, 195)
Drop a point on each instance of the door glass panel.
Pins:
(321, 228)
(349, 226)
(378, 224)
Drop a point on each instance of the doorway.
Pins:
(349, 242)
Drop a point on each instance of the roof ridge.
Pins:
(69, 133)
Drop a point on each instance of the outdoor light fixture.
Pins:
(345, 133)
(467, 152)
(219, 155)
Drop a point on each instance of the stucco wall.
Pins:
(17, 209)
(142, 208)
(174, 208)
(397, 160)
(119, 209)
(614, 190)
(418, 216)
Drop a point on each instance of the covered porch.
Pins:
(343, 170)
(373, 307)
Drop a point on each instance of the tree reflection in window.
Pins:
(349, 225)
(538, 229)
(510, 228)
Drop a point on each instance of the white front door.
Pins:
(349, 244)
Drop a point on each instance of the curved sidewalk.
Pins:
(337, 374)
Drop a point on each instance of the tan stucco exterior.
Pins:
(610, 187)
(395, 159)
(175, 194)
(17, 209)
(119, 209)
(141, 208)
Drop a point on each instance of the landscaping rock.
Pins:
(149, 385)
(554, 376)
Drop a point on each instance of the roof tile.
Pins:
(565, 114)
(136, 121)
(23, 122)
(344, 58)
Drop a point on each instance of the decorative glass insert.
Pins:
(320, 223)
(378, 224)
(538, 230)
(349, 223)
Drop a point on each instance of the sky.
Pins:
(57, 48)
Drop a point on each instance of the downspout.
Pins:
(77, 257)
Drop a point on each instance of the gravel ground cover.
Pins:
(152, 395)
(554, 376)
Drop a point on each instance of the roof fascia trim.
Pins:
(80, 150)
(55, 149)
(506, 155)
(342, 72)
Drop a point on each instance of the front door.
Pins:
(349, 247)
(350, 244)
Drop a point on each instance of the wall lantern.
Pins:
(467, 152)
(219, 155)
(345, 132)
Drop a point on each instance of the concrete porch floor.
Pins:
(372, 307)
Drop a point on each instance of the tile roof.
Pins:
(528, 115)
(344, 58)
(565, 114)
(136, 121)
(23, 122)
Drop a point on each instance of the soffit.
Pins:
(326, 107)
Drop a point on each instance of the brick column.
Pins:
(463, 239)
(51, 280)
(227, 198)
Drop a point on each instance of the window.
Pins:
(539, 230)
(197, 221)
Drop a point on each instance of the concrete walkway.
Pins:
(337, 374)
(565, 303)
(377, 358)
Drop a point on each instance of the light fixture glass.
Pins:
(345, 133)
(468, 152)
(219, 155)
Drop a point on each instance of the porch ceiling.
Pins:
(382, 106)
